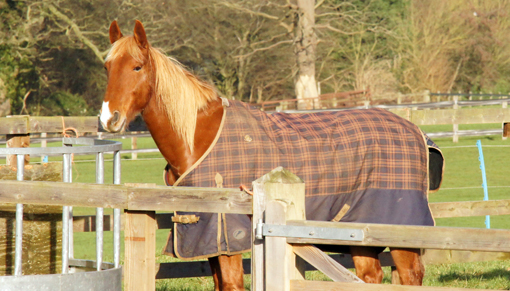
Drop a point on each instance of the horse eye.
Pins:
(136, 69)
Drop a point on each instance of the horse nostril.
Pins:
(116, 117)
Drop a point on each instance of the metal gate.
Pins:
(107, 276)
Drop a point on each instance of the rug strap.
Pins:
(186, 219)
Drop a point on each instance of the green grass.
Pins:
(463, 179)
(462, 182)
(481, 275)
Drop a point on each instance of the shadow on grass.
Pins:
(486, 276)
(193, 284)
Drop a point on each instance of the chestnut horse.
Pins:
(183, 115)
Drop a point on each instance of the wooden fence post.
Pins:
(134, 146)
(504, 104)
(284, 193)
(17, 141)
(455, 125)
(140, 251)
(44, 143)
(426, 96)
(257, 245)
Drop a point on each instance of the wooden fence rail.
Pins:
(455, 115)
(24, 124)
(127, 197)
(405, 236)
(235, 201)
(301, 236)
(141, 221)
(142, 202)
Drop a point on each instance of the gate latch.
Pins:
(308, 232)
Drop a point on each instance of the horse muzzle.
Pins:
(112, 122)
(116, 123)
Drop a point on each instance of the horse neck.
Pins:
(173, 148)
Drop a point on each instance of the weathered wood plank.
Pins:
(38, 124)
(460, 116)
(470, 208)
(276, 275)
(140, 251)
(14, 125)
(402, 112)
(454, 116)
(134, 198)
(257, 245)
(297, 285)
(325, 264)
(17, 141)
(190, 199)
(285, 196)
(58, 193)
(416, 236)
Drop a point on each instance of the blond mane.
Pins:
(179, 93)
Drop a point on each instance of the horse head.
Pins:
(130, 78)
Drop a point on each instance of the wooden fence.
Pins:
(283, 271)
(281, 207)
(19, 128)
(454, 111)
(324, 101)
(142, 202)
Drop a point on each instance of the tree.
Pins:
(484, 63)
(454, 45)
(357, 45)
(256, 50)
(305, 46)
(49, 49)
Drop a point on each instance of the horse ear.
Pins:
(115, 33)
(140, 36)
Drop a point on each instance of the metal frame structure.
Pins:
(107, 277)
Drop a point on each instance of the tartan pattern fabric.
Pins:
(333, 152)
(340, 155)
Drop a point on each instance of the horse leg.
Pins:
(227, 272)
(367, 264)
(409, 265)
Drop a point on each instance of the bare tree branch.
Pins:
(264, 48)
(249, 11)
(331, 28)
(77, 31)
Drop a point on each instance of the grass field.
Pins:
(462, 182)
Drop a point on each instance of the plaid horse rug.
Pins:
(368, 166)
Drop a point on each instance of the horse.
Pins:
(185, 115)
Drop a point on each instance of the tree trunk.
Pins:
(305, 45)
(5, 104)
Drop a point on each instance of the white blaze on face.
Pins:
(105, 114)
